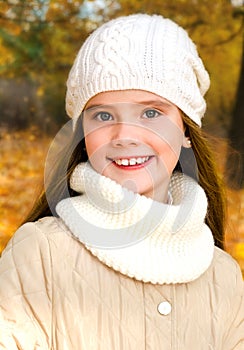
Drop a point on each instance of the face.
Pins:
(134, 137)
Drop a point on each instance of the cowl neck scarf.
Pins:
(137, 236)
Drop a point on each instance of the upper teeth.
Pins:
(131, 161)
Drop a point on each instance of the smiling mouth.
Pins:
(128, 162)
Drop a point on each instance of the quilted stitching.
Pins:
(97, 308)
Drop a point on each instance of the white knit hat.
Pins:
(139, 52)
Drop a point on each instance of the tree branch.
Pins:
(231, 36)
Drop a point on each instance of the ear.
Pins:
(186, 142)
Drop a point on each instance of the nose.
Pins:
(125, 135)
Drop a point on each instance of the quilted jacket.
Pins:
(54, 294)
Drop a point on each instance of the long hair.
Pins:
(58, 187)
(209, 179)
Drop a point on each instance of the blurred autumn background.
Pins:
(38, 43)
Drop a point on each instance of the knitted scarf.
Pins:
(141, 238)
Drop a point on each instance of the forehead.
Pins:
(129, 96)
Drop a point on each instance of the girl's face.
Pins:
(134, 137)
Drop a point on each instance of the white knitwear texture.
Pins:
(142, 52)
(166, 243)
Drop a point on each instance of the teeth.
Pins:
(124, 161)
(131, 161)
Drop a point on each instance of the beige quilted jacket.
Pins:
(54, 294)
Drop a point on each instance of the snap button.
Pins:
(164, 308)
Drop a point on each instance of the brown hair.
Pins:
(207, 176)
(209, 179)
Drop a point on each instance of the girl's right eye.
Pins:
(103, 116)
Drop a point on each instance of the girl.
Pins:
(123, 249)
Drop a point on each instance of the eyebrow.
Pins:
(152, 102)
(157, 103)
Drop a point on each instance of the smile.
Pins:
(131, 161)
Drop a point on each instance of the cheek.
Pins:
(168, 147)
(167, 143)
(94, 142)
(168, 157)
(96, 150)
(91, 145)
(169, 131)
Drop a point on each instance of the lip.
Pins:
(147, 159)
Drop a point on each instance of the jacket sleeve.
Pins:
(234, 337)
(25, 291)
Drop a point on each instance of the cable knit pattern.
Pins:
(141, 238)
(139, 52)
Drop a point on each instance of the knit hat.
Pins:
(139, 52)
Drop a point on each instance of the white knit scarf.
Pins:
(141, 238)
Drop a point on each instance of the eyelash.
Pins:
(152, 110)
(98, 115)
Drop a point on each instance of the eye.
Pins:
(104, 116)
(150, 113)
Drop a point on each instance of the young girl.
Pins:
(123, 249)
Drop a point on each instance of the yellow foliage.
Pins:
(22, 156)
(5, 55)
(239, 249)
(235, 226)
(40, 91)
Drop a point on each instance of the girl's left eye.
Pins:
(151, 113)
(104, 116)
